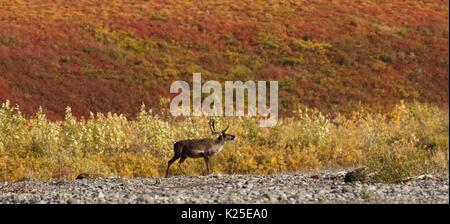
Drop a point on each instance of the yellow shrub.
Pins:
(410, 140)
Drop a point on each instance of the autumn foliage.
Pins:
(409, 141)
(112, 56)
(362, 83)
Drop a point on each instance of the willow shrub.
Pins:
(410, 140)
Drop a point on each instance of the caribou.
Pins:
(200, 148)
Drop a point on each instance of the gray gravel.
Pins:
(282, 188)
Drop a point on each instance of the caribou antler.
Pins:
(213, 128)
(224, 130)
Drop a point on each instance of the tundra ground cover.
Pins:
(111, 56)
(410, 140)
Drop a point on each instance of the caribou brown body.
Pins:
(199, 148)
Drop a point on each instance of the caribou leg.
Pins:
(179, 164)
(207, 164)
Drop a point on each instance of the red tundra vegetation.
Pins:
(336, 56)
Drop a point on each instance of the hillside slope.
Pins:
(115, 55)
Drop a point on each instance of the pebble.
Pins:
(283, 188)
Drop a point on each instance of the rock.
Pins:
(359, 174)
(425, 177)
(271, 197)
(283, 197)
(82, 176)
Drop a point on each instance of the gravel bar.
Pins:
(281, 188)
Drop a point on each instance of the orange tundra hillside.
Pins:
(334, 56)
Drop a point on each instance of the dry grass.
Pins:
(410, 140)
